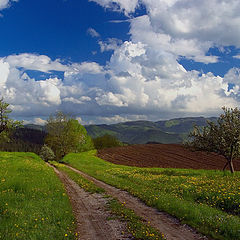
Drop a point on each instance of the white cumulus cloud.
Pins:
(109, 44)
(6, 3)
(35, 62)
(144, 76)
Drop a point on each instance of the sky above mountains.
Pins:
(106, 61)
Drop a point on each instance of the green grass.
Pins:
(172, 123)
(135, 224)
(33, 202)
(82, 182)
(207, 200)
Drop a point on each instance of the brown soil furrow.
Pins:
(90, 213)
(164, 156)
(166, 224)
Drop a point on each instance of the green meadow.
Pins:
(206, 200)
(33, 203)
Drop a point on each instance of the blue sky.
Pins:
(107, 61)
(58, 29)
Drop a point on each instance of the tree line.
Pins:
(65, 134)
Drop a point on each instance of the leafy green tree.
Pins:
(46, 153)
(66, 135)
(7, 125)
(221, 137)
(106, 141)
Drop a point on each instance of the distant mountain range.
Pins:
(141, 132)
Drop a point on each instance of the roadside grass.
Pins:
(33, 202)
(135, 224)
(82, 182)
(207, 200)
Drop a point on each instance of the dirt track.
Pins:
(164, 156)
(169, 226)
(91, 215)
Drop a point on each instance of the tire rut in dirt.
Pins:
(163, 222)
(91, 214)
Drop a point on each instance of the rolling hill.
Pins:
(137, 132)
(140, 132)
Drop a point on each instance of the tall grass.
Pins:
(33, 202)
(207, 200)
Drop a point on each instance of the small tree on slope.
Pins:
(222, 137)
(7, 125)
(66, 135)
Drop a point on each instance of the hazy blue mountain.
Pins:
(182, 125)
(140, 132)
(136, 132)
(35, 127)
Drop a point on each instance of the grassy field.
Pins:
(207, 200)
(135, 225)
(33, 202)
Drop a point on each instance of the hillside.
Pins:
(141, 132)
(135, 132)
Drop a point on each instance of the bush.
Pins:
(106, 141)
(47, 153)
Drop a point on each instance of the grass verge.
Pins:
(82, 182)
(135, 225)
(207, 200)
(33, 202)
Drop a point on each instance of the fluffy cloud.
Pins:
(153, 81)
(26, 95)
(215, 20)
(35, 62)
(109, 44)
(127, 6)
(143, 31)
(92, 32)
(186, 28)
(136, 81)
(6, 3)
(143, 76)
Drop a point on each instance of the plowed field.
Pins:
(163, 156)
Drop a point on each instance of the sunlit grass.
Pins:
(208, 200)
(135, 225)
(33, 202)
(82, 182)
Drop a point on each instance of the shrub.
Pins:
(106, 141)
(47, 153)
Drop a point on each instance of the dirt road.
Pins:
(91, 214)
(166, 224)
